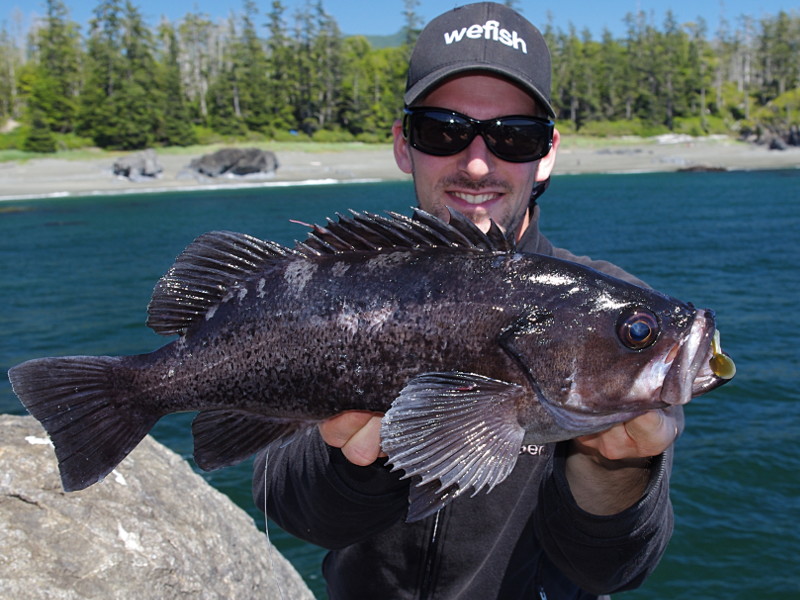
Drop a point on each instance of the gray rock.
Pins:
(793, 136)
(153, 529)
(235, 161)
(778, 143)
(141, 166)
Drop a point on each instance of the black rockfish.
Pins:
(470, 348)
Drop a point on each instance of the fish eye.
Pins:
(638, 330)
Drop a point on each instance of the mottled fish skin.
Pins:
(447, 330)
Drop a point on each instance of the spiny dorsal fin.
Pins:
(211, 266)
(494, 239)
(367, 232)
(204, 274)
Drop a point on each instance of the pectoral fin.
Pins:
(454, 432)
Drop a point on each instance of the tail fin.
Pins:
(82, 403)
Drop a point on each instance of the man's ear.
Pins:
(402, 151)
(547, 163)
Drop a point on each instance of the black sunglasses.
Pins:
(442, 132)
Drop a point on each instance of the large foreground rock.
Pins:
(235, 161)
(153, 529)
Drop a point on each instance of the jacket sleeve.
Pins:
(313, 492)
(605, 554)
(602, 554)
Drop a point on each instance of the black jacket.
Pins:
(525, 539)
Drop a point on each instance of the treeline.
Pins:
(125, 85)
(677, 77)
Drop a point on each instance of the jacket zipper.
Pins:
(428, 581)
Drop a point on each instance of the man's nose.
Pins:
(476, 160)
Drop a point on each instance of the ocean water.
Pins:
(77, 274)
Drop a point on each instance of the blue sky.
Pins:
(384, 17)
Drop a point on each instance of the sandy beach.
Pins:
(52, 177)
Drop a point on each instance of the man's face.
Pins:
(475, 182)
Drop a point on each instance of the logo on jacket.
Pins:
(533, 449)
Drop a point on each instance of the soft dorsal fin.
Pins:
(204, 274)
(366, 232)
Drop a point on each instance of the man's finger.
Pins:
(652, 432)
(364, 447)
(338, 430)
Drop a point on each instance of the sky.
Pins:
(384, 17)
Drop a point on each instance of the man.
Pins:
(573, 520)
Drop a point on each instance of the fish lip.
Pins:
(691, 374)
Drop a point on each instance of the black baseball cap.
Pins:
(485, 36)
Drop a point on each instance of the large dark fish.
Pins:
(470, 348)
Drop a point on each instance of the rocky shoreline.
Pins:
(55, 177)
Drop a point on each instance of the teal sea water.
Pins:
(77, 274)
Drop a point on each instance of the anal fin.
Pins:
(224, 437)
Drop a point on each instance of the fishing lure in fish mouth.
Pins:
(722, 364)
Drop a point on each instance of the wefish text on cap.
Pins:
(491, 30)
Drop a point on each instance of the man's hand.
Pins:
(609, 471)
(357, 433)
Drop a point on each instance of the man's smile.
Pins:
(476, 199)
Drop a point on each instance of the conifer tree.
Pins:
(10, 62)
(699, 71)
(280, 83)
(412, 23)
(98, 119)
(121, 106)
(39, 138)
(176, 128)
(197, 38)
(355, 106)
(327, 76)
(252, 60)
(225, 90)
(56, 84)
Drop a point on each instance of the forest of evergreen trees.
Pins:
(123, 84)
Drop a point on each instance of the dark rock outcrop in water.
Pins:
(235, 161)
(153, 529)
(142, 166)
(702, 169)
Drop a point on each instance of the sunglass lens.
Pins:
(519, 140)
(440, 133)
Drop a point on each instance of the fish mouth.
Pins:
(700, 364)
